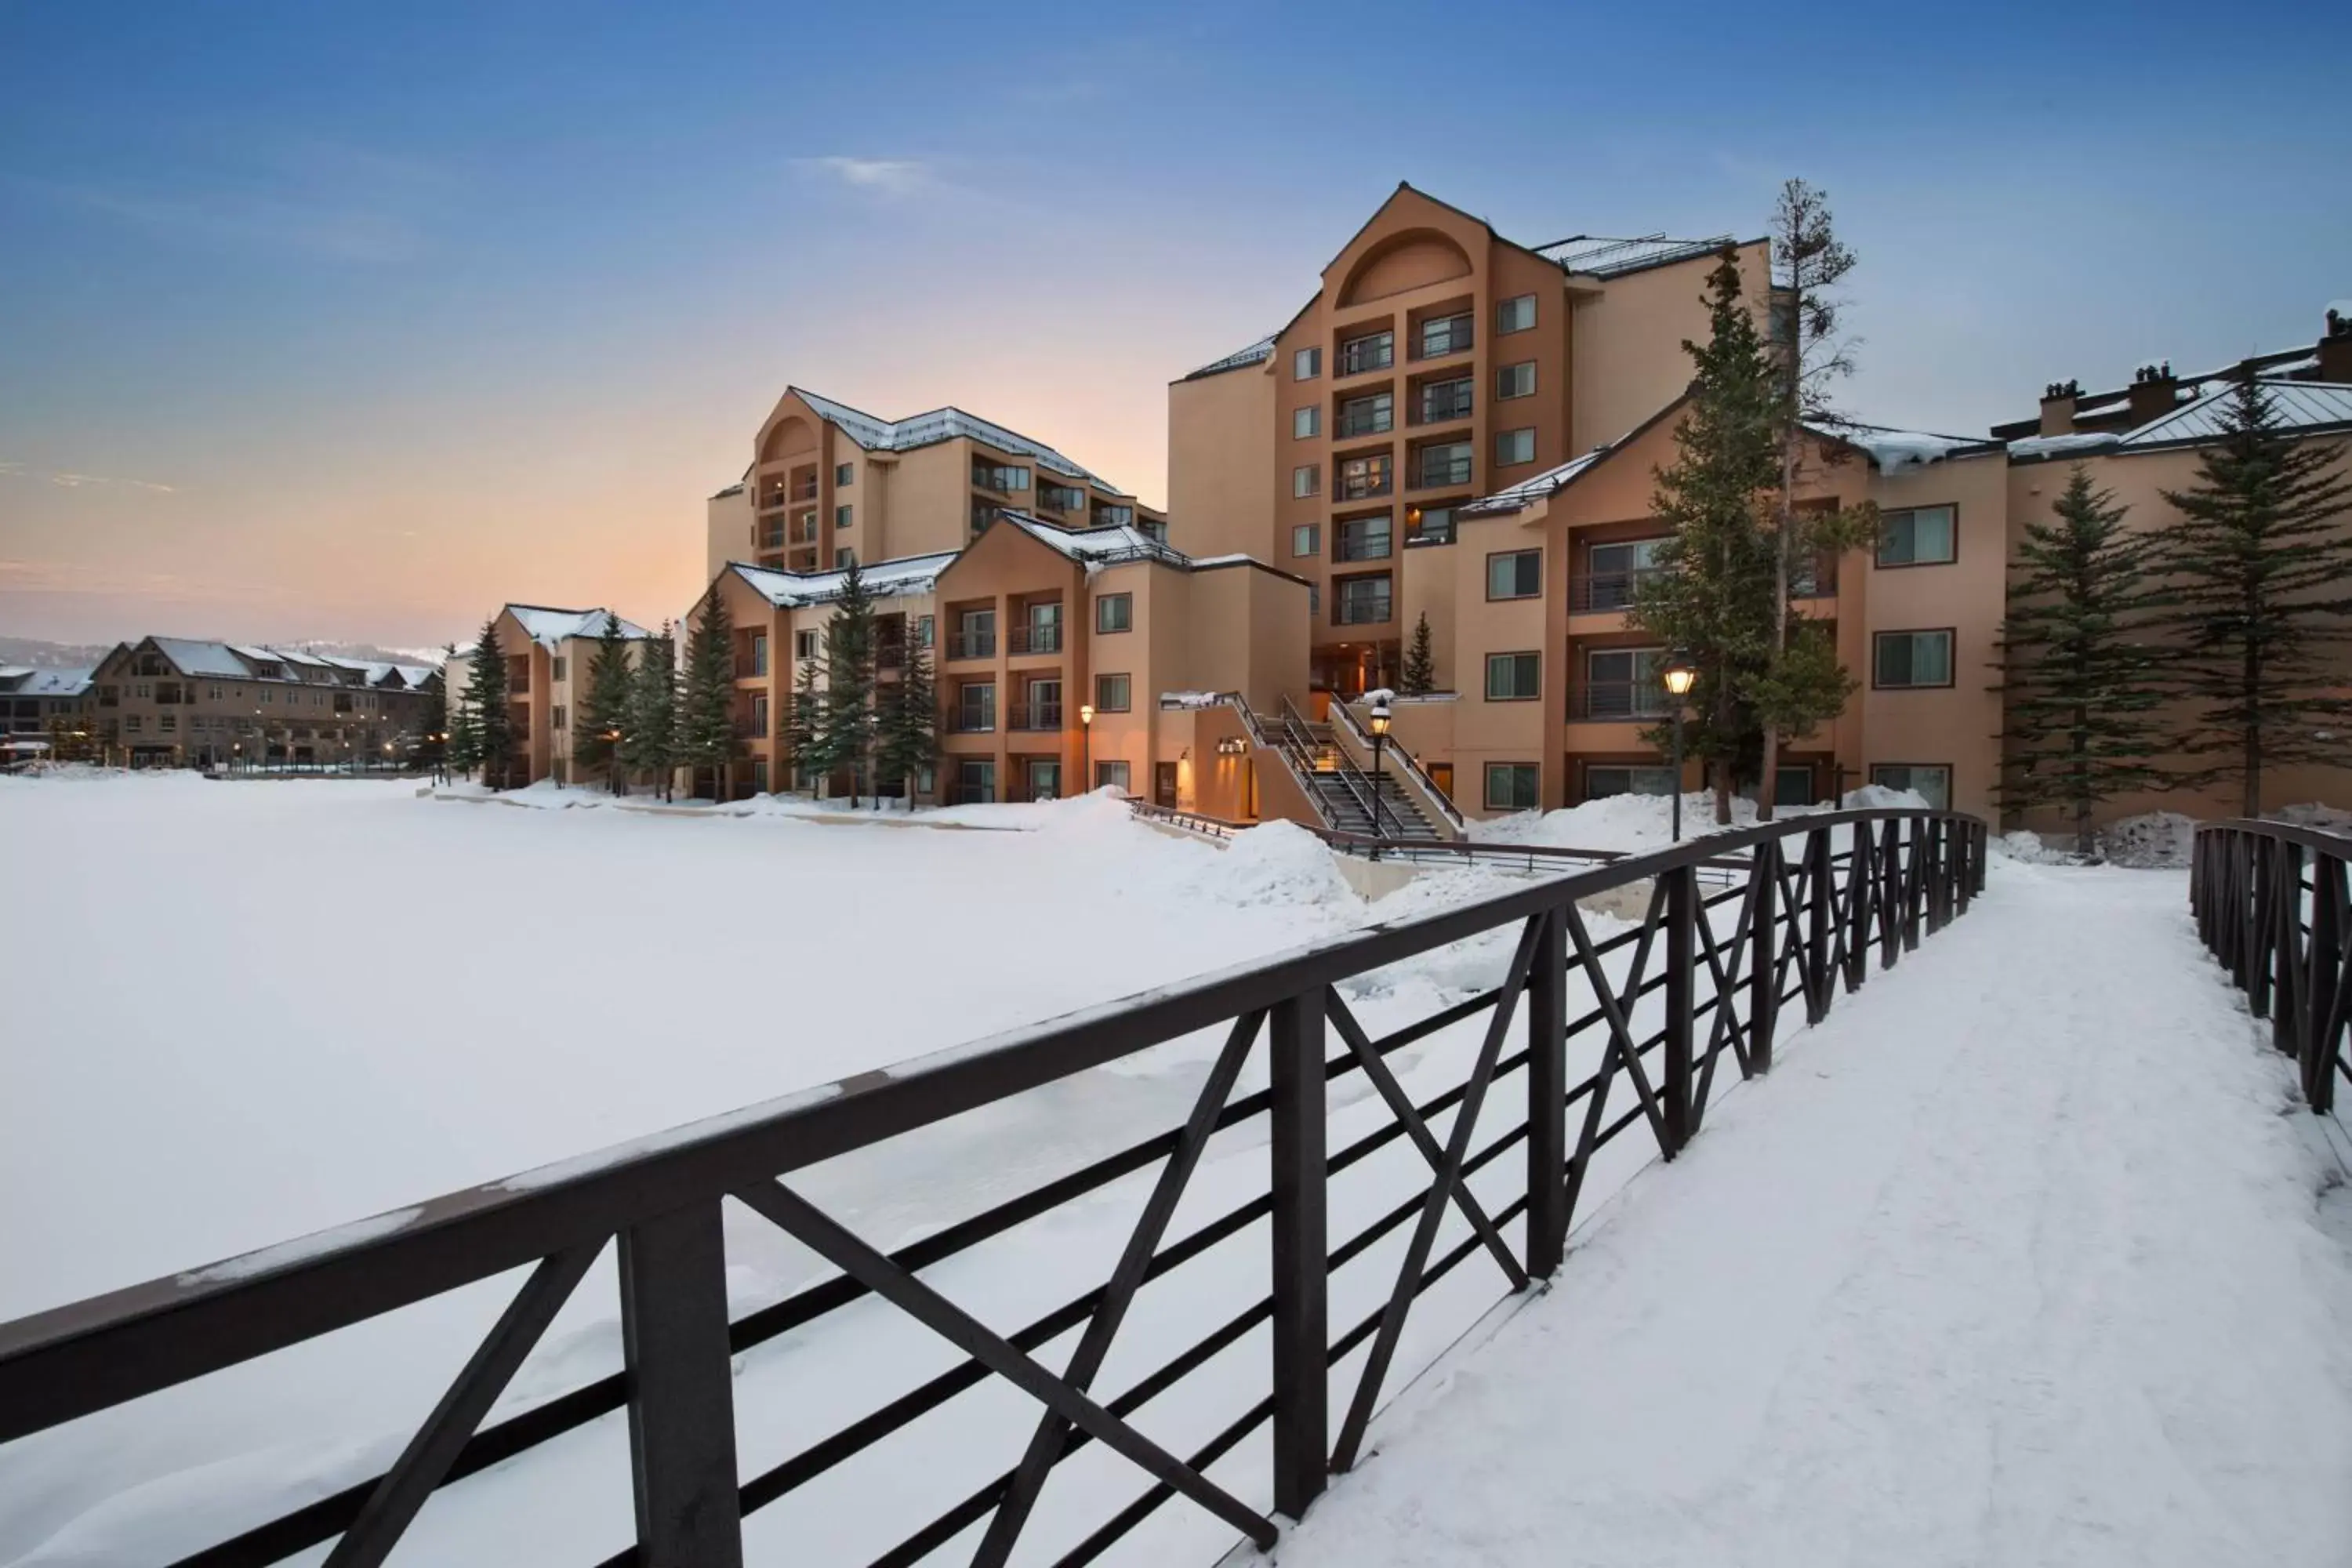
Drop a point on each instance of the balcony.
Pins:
(1432, 472)
(1359, 355)
(1370, 416)
(1446, 400)
(1437, 339)
(1604, 701)
(890, 656)
(1364, 544)
(1369, 485)
(1598, 593)
(1035, 637)
(1817, 582)
(972, 719)
(805, 489)
(1363, 609)
(1037, 715)
(971, 644)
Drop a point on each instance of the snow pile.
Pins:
(1275, 863)
(2025, 844)
(2312, 814)
(2154, 840)
(1642, 823)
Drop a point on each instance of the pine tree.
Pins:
(493, 723)
(847, 726)
(910, 739)
(649, 729)
(2255, 575)
(1419, 677)
(706, 719)
(802, 721)
(1803, 685)
(2079, 686)
(604, 715)
(1711, 596)
(432, 717)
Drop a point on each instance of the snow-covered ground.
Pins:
(2022, 1258)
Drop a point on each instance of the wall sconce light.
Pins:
(1231, 746)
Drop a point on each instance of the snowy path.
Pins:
(2015, 1260)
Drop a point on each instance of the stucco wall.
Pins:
(1629, 362)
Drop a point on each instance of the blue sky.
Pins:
(341, 321)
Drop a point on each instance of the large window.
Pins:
(1119, 514)
(1513, 447)
(1515, 574)
(1448, 463)
(1370, 416)
(1442, 400)
(1602, 780)
(1919, 536)
(843, 516)
(1114, 774)
(1931, 781)
(1513, 676)
(1516, 315)
(1307, 539)
(1062, 498)
(1515, 379)
(1374, 351)
(1115, 612)
(1900, 660)
(844, 558)
(976, 706)
(1307, 479)
(1622, 683)
(1359, 478)
(1362, 539)
(1306, 365)
(1306, 422)
(1113, 693)
(1511, 786)
(1435, 524)
(1613, 572)
(1362, 601)
(1445, 335)
(975, 781)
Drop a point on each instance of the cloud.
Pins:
(66, 479)
(883, 176)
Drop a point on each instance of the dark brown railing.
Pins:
(1036, 716)
(1607, 701)
(2271, 904)
(1658, 1008)
(971, 644)
(1034, 637)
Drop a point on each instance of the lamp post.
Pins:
(1086, 747)
(1679, 674)
(1380, 728)
(613, 759)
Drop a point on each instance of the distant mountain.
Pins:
(72, 655)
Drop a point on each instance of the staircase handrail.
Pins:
(1352, 778)
(1443, 801)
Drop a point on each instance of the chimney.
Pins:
(2336, 348)
(2152, 392)
(2058, 407)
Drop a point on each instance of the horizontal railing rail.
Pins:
(2273, 905)
(1035, 637)
(1607, 701)
(1436, 344)
(971, 644)
(1346, 717)
(1652, 1012)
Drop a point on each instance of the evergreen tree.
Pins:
(604, 715)
(2255, 574)
(432, 717)
(848, 727)
(493, 722)
(1803, 685)
(706, 719)
(649, 727)
(802, 724)
(1712, 597)
(2079, 687)
(1420, 676)
(910, 738)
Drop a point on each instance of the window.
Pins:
(130, 723)
(759, 653)
(1305, 422)
(1515, 379)
(1007, 476)
(1911, 658)
(1435, 525)
(1445, 464)
(1516, 315)
(759, 775)
(1510, 786)
(555, 717)
(1920, 536)
(1445, 335)
(1613, 572)
(1513, 676)
(975, 781)
(1116, 515)
(924, 631)
(1602, 780)
(1112, 693)
(927, 782)
(1062, 498)
(1515, 574)
(556, 669)
(1363, 600)
(843, 557)
(1359, 478)
(1793, 785)
(976, 706)
(804, 645)
(168, 722)
(758, 713)
(1115, 612)
(1307, 479)
(1111, 774)
(845, 475)
(1306, 365)
(1445, 400)
(1622, 683)
(1930, 781)
(1514, 447)
(1314, 599)
(843, 516)
(1368, 416)
(1307, 539)
(1362, 539)
(1374, 351)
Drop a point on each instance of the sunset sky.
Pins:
(331, 320)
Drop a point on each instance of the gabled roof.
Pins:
(547, 626)
(1592, 256)
(1552, 482)
(1258, 353)
(941, 425)
(1097, 546)
(884, 579)
(20, 681)
(193, 658)
(2309, 405)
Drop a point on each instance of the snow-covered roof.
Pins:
(884, 579)
(2059, 446)
(1511, 498)
(193, 658)
(2298, 405)
(1893, 451)
(941, 425)
(1595, 257)
(1098, 546)
(22, 680)
(1258, 353)
(549, 628)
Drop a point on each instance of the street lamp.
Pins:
(1679, 674)
(1087, 746)
(1380, 728)
(613, 758)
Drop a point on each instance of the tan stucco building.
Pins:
(549, 652)
(183, 703)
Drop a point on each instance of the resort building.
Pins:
(548, 653)
(827, 481)
(182, 702)
(31, 699)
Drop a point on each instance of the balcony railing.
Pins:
(1436, 404)
(1364, 547)
(1602, 701)
(1433, 473)
(1037, 715)
(805, 490)
(1364, 422)
(1366, 611)
(1361, 354)
(1364, 487)
(1436, 341)
(1035, 638)
(970, 719)
(1600, 592)
(1816, 580)
(890, 656)
(971, 644)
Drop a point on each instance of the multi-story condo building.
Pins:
(827, 481)
(32, 699)
(549, 653)
(180, 703)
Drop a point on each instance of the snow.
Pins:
(790, 590)
(1953, 1285)
(1893, 451)
(2153, 839)
(552, 628)
(1641, 823)
(318, 1244)
(940, 424)
(191, 657)
(2059, 446)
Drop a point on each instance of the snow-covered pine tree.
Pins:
(1419, 677)
(802, 724)
(2256, 576)
(649, 731)
(605, 712)
(706, 720)
(1712, 596)
(493, 722)
(2079, 680)
(847, 729)
(910, 740)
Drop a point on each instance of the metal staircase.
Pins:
(1343, 793)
